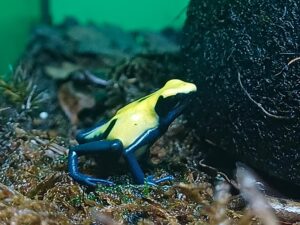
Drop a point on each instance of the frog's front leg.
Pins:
(138, 174)
(95, 147)
(145, 140)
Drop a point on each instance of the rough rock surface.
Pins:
(244, 56)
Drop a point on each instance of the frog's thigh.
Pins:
(90, 148)
(97, 147)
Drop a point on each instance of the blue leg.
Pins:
(150, 179)
(90, 148)
(138, 174)
(146, 139)
(135, 168)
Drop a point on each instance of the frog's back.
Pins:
(132, 122)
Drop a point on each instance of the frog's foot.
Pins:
(151, 181)
(90, 181)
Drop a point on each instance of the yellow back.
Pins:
(139, 116)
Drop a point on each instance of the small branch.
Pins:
(293, 60)
(233, 183)
(94, 79)
(52, 146)
(259, 105)
(29, 99)
(286, 67)
(3, 109)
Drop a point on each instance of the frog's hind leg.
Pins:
(114, 146)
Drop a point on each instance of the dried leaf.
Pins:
(61, 72)
(73, 101)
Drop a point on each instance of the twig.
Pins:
(219, 173)
(94, 79)
(289, 53)
(286, 67)
(52, 146)
(28, 102)
(280, 72)
(181, 12)
(210, 142)
(293, 60)
(3, 109)
(259, 105)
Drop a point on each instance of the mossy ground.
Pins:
(36, 189)
(39, 114)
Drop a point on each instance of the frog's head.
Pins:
(174, 97)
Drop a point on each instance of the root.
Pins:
(259, 105)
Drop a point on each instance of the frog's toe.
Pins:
(91, 181)
(163, 179)
(151, 181)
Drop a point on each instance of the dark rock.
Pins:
(244, 57)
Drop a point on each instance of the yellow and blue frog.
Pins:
(131, 131)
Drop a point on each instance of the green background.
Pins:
(16, 19)
(19, 16)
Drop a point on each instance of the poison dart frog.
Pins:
(130, 132)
